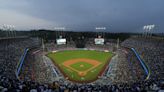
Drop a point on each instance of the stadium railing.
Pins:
(20, 64)
(145, 67)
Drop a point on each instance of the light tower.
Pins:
(118, 41)
(9, 30)
(100, 31)
(99, 35)
(60, 35)
(147, 29)
(59, 31)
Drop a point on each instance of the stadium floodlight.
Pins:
(148, 29)
(153, 25)
(144, 27)
(100, 28)
(59, 28)
(9, 29)
(4, 26)
(13, 27)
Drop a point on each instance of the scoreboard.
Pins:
(99, 41)
(61, 41)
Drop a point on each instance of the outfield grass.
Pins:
(62, 56)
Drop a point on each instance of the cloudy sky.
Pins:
(115, 15)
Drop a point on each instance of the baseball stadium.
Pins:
(81, 46)
(81, 59)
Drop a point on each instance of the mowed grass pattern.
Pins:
(62, 56)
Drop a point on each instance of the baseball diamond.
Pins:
(83, 61)
(81, 65)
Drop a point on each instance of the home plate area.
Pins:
(81, 65)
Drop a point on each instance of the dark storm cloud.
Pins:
(116, 15)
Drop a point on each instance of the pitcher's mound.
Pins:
(82, 74)
(81, 65)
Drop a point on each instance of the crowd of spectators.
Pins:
(151, 50)
(109, 45)
(135, 66)
(126, 66)
(14, 85)
(55, 47)
(39, 68)
(10, 54)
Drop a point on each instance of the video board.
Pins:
(99, 41)
(61, 41)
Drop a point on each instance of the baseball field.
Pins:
(81, 65)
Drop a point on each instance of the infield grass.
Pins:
(81, 66)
